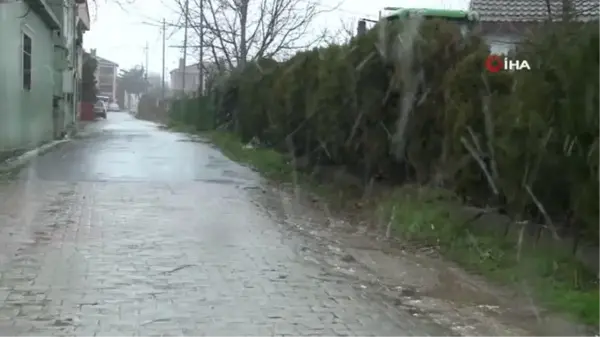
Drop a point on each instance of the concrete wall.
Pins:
(70, 74)
(78, 76)
(25, 115)
(131, 103)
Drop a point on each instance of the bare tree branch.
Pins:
(343, 34)
(238, 31)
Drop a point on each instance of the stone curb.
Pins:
(22, 160)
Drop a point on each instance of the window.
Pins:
(26, 62)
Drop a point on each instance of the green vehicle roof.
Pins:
(429, 12)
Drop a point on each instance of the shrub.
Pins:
(410, 101)
(195, 111)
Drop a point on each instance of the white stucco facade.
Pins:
(502, 43)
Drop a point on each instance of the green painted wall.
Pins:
(25, 116)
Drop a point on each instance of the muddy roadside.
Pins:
(419, 279)
(410, 278)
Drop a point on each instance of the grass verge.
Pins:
(434, 217)
(274, 166)
(268, 162)
(548, 270)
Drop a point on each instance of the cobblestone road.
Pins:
(132, 230)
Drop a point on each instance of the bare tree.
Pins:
(344, 33)
(238, 31)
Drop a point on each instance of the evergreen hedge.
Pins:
(411, 102)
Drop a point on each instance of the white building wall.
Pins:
(192, 81)
(131, 102)
(69, 74)
(79, 61)
(501, 43)
(114, 86)
(69, 36)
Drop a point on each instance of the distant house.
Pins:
(107, 73)
(504, 22)
(192, 79)
(37, 68)
(130, 102)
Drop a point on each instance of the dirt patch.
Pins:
(434, 222)
(413, 278)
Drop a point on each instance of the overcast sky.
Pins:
(120, 30)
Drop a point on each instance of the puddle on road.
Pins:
(219, 181)
(27, 232)
(217, 163)
(194, 140)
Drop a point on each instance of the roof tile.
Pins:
(530, 10)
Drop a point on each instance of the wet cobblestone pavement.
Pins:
(132, 230)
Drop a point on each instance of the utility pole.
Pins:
(201, 63)
(185, 38)
(146, 49)
(164, 33)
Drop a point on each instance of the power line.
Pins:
(339, 9)
(326, 7)
(175, 29)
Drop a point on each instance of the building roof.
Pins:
(105, 61)
(83, 15)
(42, 9)
(531, 10)
(192, 68)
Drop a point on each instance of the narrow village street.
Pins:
(434, 178)
(134, 230)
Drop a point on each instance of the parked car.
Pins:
(100, 109)
(113, 107)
